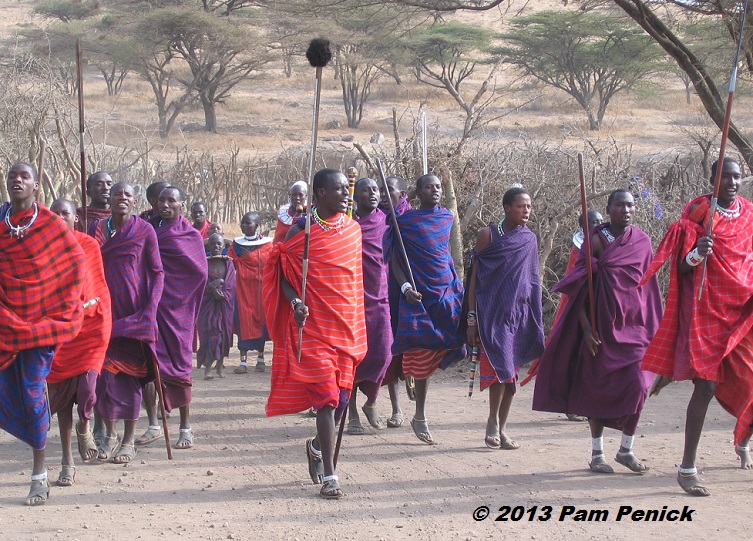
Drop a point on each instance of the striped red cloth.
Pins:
(334, 337)
(711, 337)
(249, 264)
(87, 350)
(724, 314)
(204, 231)
(42, 275)
(422, 363)
(487, 374)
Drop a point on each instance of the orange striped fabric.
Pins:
(422, 363)
(248, 293)
(87, 350)
(334, 337)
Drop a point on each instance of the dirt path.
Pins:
(246, 477)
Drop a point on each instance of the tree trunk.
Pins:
(704, 86)
(593, 122)
(456, 237)
(210, 114)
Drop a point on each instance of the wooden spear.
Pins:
(80, 80)
(723, 144)
(587, 242)
(318, 55)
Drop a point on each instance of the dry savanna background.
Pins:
(216, 97)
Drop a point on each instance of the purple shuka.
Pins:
(185, 262)
(610, 386)
(215, 323)
(508, 300)
(376, 301)
(135, 278)
(433, 323)
(401, 208)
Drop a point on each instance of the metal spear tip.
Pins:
(319, 53)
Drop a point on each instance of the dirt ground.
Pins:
(246, 477)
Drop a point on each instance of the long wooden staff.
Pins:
(80, 80)
(723, 143)
(161, 397)
(587, 242)
(424, 149)
(399, 237)
(318, 55)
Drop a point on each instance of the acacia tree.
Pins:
(589, 56)
(446, 56)
(660, 30)
(218, 52)
(368, 46)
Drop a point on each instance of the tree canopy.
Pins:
(590, 56)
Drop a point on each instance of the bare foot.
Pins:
(746, 461)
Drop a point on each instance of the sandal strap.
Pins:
(600, 455)
(327, 478)
(39, 477)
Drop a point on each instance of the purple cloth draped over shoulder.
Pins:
(433, 323)
(610, 386)
(376, 301)
(23, 406)
(508, 300)
(135, 278)
(215, 323)
(185, 262)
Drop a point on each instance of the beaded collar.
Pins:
(731, 213)
(325, 225)
(19, 231)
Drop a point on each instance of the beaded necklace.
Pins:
(325, 225)
(730, 213)
(610, 238)
(501, 229)
(110, 231)
(19, 231)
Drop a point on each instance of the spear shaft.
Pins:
(723, 144)
(587, 242)
(80, 81)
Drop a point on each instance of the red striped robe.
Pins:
(87, 350)
(334, 337)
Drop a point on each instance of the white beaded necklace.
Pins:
(730, 213)
(19, 231)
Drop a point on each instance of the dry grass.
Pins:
(273, 112)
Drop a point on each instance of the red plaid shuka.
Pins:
(724, 314)
(87, 350)
(41, 278)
